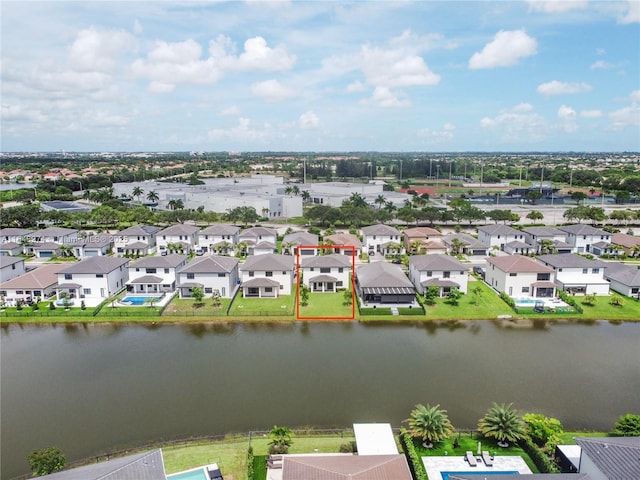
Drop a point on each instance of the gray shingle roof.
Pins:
(210, 264)
(380, 229)
(139, 230)
(544, 231)
(333, 260)
(167, 261)
(53, 232)
(14, 232)
(144, 279)
(436, 262)
(301, 238)
(421, 232)
(344, 239)
(580, 229)
(6, 261)
(625, 274)
(38, 278)
(221, 229)
(570, 260)
(468, 240)
(255, 232)
(260, 282)
(618, 458)
(382, 274)
(268, 262)
(143, 466)
(179, 229)
(96, 265)
(499, 229)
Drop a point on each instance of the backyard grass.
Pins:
(326, 305)
(283, 305)
(188, 307)
(603, 310)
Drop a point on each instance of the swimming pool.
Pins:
(193, 474)
(526, 301)
(139, 301)
(445, 475)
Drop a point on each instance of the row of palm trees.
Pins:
(501, 422)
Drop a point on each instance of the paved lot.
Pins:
(457, 463)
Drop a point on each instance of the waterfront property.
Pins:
(40, 282)
(438, 270)
(155, 274)
(92, 280)
(577, 274)
(446, 467)
(211, 273)
(326, 273)
(520, 276)
(383, 283)
(623, 278)
(267, 276)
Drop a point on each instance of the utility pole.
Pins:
(450, 164)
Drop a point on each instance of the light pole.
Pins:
(438, 175)
(450, 164)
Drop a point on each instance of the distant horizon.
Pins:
(327, 152)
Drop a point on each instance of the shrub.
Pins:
(52, 305)
(570, 301)
(538, 457)
(375, 311)
(508, 300)
(83, 306)
(413, 458)
(278, 449)
(349, 447)
(410, 311)
(250, 464)
(628, 425)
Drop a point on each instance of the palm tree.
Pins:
(431, 424)
(357, 200)
(153, 197)
(280, 439)
(306, 196)
(503, 423)
(546, 246)
(295, 190)
(137, 192)
(175, 204)
(380, 201)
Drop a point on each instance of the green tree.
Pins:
(477, 294)
(46, 460)
(429, 423)
(578, 197)
(533, 196)
(503, 423)
(280, 439)
(628, 425)
(535, 215)
(137, 192)
(430, 294)
(347, 298)
(198, 295)
(153, 197)
(454, 296)
(542, 429)
(304, 295)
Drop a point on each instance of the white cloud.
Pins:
(505, 50)
(384, 97)
(631, 13)
(555, 6)
(517, 123)
(591, 113)
(272, 91)
(309, 120)
(99, 51)
(434, 137)
(562, 88)
(567, 117)
(635, 96)
(172, 63)
(245, 130)
(627, 116)
(233, 110)
(137, 27)
(356, 86)
(600, 64)
(21, 113)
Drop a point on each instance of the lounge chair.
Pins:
(470, 458)
(487, 459)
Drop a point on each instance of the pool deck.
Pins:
(457, 463)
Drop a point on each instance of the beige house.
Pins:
(423, 240)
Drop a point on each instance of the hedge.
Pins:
(410, 311)
(413, 459)
(250, 470)
(570, 301)
(508, 300)
(538, 457)
(375, 311)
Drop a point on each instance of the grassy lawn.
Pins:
(567, 438)
(489, 306)
(44, 314)
(188, 307)
(283, 305)
(603, 310)
(470, 442)
(326, 305)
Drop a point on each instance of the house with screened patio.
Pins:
(267, 276)
(326, 273)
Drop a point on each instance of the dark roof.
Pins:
(618, 458)
(139, 230)
(436, 261)
(210, 264)
(468, 240)
(439, 282)
(143, 466)
(333, 260)
(345, 467)
(382, 274)
(570, 260)
(518, 244)
(166, 261)
(260, 282)
(96, 265)
(268, 262)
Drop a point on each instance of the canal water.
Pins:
(92, 389)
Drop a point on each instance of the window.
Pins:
(633, 290)
(596, 270)
(325, 270)
(525, 289)
(513, 274)
(268, 289)
(166, 270)
(99, 275)
(191, 276)
(151, 270)
(251, 274)
(68, 276)
(3, 293)
(86, 291)
(429, 273)
(208, 290)
(268, 274)
(446, 274)
(542, 277)
(281, 287)
(585, 271)
(338, 284)
(37, 293)
(284, 273)
(137, 269)
(340, 270)
(222, 275)
(19, 292)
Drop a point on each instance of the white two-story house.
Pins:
(292, 241)
(381, 239)
(520, 277)
(218, 239)
(211, 273)
(267, 276)
(177, 238)
(326, 273)
(442, 271)
(46, 243)
(499, 235)
(576, 274)
(583, 237)
(155, 274)
(93, 279)
(547, 240)
(136, 241)
(258, 240)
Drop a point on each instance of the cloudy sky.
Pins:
(320, 75)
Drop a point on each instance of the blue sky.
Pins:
(320, 76)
